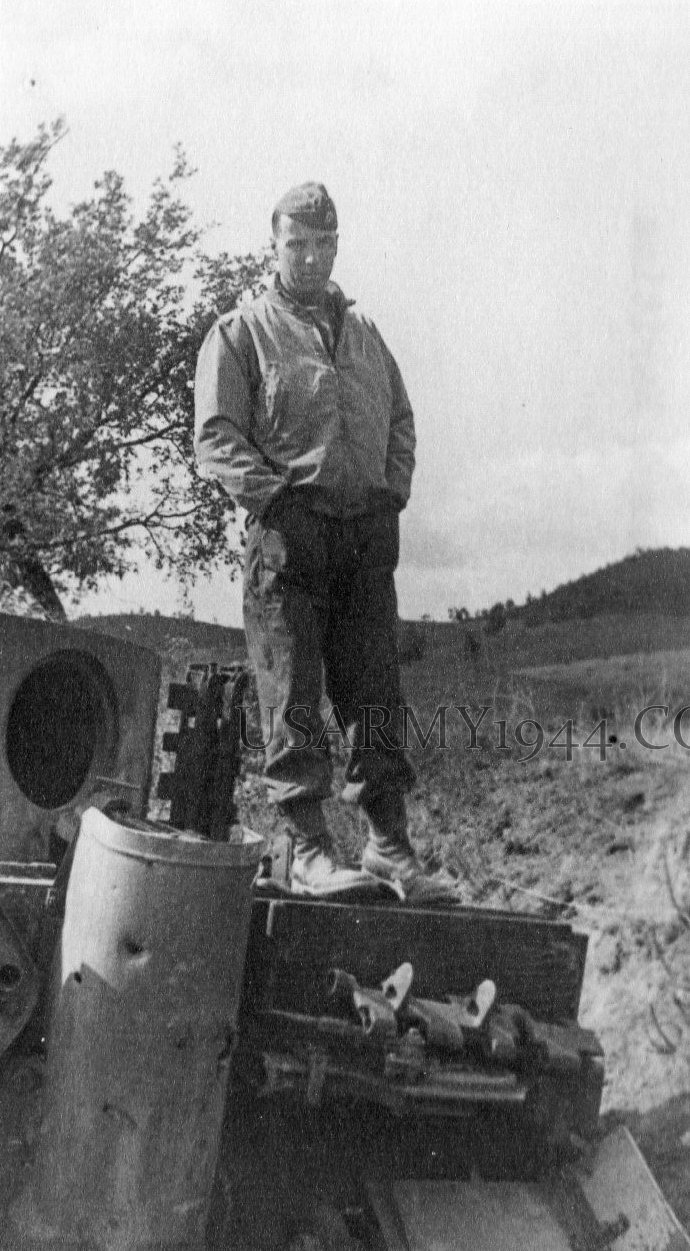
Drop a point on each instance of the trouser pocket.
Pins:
(289, 550)
(379, 540)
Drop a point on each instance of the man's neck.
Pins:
(318, 300)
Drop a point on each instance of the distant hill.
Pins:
(523, 645)
(157, 632)
(653, 581)
(639, 605)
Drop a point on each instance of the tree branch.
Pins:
(146, 438)
(128, 524)
(7, 243)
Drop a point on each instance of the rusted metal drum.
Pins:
(141, 1037)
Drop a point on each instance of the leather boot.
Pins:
(314, 871)
(389, 855)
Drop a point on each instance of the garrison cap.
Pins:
(309, 204)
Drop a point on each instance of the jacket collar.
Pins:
(335, 297)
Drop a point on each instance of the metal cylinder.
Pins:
(141, 1036)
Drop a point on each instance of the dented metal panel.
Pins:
(615, 1205)
(18, 984)
(294, 943)
(620, 1181)
(77, 718)
(144, 1004)
(465, 1216)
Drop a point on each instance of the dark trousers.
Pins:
(319, 600)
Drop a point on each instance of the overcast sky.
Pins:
(512, 184)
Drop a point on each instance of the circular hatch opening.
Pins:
(62, 728)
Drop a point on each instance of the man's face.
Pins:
(305, 257)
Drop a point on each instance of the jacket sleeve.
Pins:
(400, 460)
(223, 406)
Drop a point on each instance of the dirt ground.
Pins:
(637, 989)
(602, 843)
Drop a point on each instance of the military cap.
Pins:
(309, 204)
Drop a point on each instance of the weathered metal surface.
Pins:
(419, 1057)
(190, 699)
(620, 1182)
(538, 964)
(440, 1091)
(18, 984)
(465, 1216)
(617, 1206)
(208, 758)
(77, 716)
(141, 1037)
(295, 945)
(24, 890)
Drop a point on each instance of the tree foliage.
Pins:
(496, 618)
(98, 345)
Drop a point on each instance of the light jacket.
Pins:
(276, 409)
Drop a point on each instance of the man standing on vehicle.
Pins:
(302, 416)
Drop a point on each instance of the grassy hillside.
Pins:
(431, 646)
(519, 645)
(639, 604)
(215, 642)
(655, 581)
